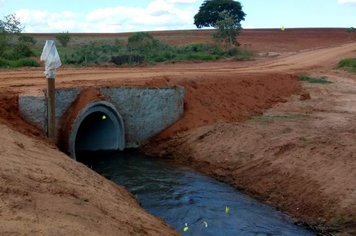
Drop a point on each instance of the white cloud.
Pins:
(346, 1)
(157, 15)
(45, 21)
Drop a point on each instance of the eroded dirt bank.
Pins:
(44, 192)
(47, 192)
(296, 157)
(299, 156)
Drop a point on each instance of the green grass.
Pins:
(95, 51)
(314, 80)
(4, 63)
(157, 52)
(348, 64)
(266, 119)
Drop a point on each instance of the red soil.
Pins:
(304, 166)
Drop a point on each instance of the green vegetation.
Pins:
(10, 25)
(90, 53)
(15, 48)
(18, 63)
(144, 48)
(314, 80)
(27, 39)
(225, 16)
(226, 30)
(142, 42)
(348, 64)
(266, 119)
(351, 30)
(209, 12)
(63, 38)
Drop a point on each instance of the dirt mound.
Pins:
(9, 114)
(44, 192)
(227, 99)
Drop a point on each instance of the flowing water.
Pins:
(192, 203)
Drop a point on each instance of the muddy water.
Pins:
(190, 201)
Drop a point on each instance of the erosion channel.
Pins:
(192, 203)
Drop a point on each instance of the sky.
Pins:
(42, 16)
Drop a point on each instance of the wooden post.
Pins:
(51, 109)
(52, 63)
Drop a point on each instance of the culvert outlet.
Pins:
(97, 127)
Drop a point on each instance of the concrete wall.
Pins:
(145, 111)
(34, 108)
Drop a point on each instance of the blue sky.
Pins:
(147, 15)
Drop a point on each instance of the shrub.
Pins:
(22, 50)
(127, 59)
(63, 38)
(91, 53)
(24, 62)
(314, 80)
(4, 63)
(144, 48)
(227, 29)
(142, 42)
(17, 51)
(18, 63)
(239, 54)
(26, 39)
(349, 64)
(351, 30)
(3, 44)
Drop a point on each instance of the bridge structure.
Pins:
(105, 118)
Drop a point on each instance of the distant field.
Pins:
(260, 40)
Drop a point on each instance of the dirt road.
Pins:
(299, 156)
(26, 79)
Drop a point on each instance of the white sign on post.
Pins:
(52, 63)
(51, 58)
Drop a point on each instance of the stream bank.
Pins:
(193, 203)
(299, 156)
(44, 192)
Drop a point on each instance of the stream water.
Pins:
(192, 203)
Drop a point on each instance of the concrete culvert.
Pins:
(98, 127)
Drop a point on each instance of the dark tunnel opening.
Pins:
(96, 132)
(98, 129)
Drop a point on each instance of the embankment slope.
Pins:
(42, 191)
